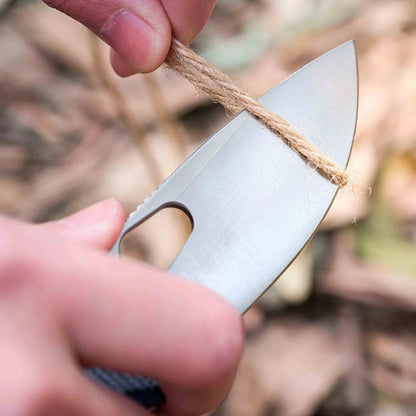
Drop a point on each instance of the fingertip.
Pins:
(141, 42)
(121, 67)
(210, 366)
(223, 330)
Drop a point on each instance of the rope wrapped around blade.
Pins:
(221, 88)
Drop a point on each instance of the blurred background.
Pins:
(336, 335)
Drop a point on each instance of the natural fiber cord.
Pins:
(221, 88)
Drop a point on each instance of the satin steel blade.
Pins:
(253, 201)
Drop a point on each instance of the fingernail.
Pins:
(132, 37)
(95, 214)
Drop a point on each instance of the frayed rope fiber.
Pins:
(221, 88)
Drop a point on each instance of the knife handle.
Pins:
(144, 390)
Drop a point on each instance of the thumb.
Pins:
(97, 226)
(139, 31)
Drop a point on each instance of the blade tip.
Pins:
(350, 44)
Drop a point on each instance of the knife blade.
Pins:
(253, 202)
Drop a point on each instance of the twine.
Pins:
(207, 78)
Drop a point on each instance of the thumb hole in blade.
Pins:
(160, 238)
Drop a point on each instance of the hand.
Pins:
(139, 31)
(66, 304)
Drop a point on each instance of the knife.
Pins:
(253, 202)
